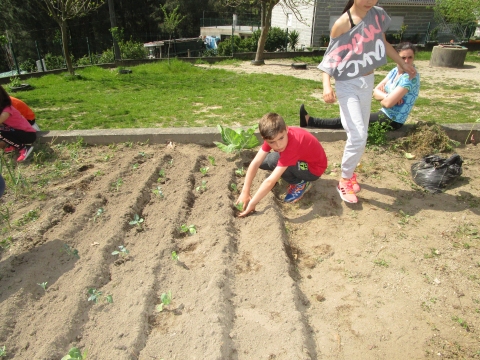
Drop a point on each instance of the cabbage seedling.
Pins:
(202, 187)
(3, 351)
(70, 251)
(190, 229)
(175, 256)
(137, 220)
(98, 213)
(123, 252)
(239, 206)
(240, 172)
(204, 170)
(116, 185)
(212, 160)
(96, 296)
(158, 192)
(166, 299)
(75, 354)
(43, 285)
(234, 141)
(234, 187)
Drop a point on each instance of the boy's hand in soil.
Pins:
(250, 209)
(245, 199)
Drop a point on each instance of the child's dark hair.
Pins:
(406, 46)
(348, 6)
(4, 99)
(271, 125)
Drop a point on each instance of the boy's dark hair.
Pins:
(271, 125)
(4, 99)
(406, 46)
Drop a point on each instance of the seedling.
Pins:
(240, 172)
(234, 187)
(30, 216)
(239, 206)
(99, 212)
(5, 216)
(75, 354)
(123, 252)
(3, 351)
(234, 141)
(43, 285)
(137, 220)
(158, 192)
(166, 299)
(381, 262)
(204, 170)
(212, 160)
(116, 185)
(135, 166)
(190, 229)
(161, 176)
(202, 187)
(6, 243)
(404, 218)
(461, 322)
(70, 251)
(175, 256)
(96, 296)
(142, 154)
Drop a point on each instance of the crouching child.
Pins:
(297, 157)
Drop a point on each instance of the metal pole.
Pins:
(89, 53)
(39, 57)
(231, 40)
(14, 58)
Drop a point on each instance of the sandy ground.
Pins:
(396, 276)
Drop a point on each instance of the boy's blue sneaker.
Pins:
(296, 191)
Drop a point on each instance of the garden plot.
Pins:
(395, 276)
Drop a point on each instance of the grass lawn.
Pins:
(182, 95)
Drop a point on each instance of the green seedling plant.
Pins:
(240, 172)
(43, 285)
(189, 229)
(6, 243)
(99, 212)
(142, 154)
(175, 256)
(123, 252)
(117, 184)
(165, 300)
(70, 251)
(158, 192)
(75, 354)
(5, 216)
(135, 166)
(202, 187)
(204, 170)
(239, 206)
(234, 187)
(212, 160)
(161, 176)
(3, 351)
(137, 220)
(96, 296)
(235, 141)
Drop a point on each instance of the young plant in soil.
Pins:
(189, 229)
(3, 351)
(166, 299)
(96, 296)
(75, 354)
(43, 285)
(161, 176)
(116, 185)
(123, 252)
(175, 256)
(137, 221)
(234, 187)
(70, 251)
(234, 141)
(240, 172)
(158, 192)
(212, 160)
(204, 170)
(99, 212)
(239, 206)
(202, 187)
(5, 216)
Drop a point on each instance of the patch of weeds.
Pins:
(377, 134)
(123, 252)
(30, 216)
(96, 296)
(240, 172)
(99, 212)
(381, 262)
(165, 300)
(211, 159)
(128, 144)
(158, 192)
(117, 184)
(189, 229)
(404, 218)
(6, 243)
(43, 285)
(5, 216)
(433, 253)
(75, 354)
(466, 230)
(461, 322)
(202, 187)
(137, 220)
(204, 170)
(70, 251)
(466, 246)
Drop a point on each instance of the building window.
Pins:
(289, 19)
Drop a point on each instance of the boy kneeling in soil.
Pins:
(297, 157)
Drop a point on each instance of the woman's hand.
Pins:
(329, 95)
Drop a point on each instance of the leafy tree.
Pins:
(458, 11)
(171, 22)
(62, 11)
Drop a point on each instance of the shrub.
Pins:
(132, 50)
(106, 57)
(28, 65)
(54, 62)
(85, 60)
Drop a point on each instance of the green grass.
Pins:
(182, 95)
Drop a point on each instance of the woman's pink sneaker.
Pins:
(355, 184)
(346, 192)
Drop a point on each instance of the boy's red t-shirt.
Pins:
(302, 146)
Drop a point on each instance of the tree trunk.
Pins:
(113, 24)
(267, 7)
(66, 51)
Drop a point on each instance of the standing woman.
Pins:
(15, 130)
(357, 46)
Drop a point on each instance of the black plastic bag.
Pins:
(435, 173)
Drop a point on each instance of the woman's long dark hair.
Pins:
(4, 99)
(348, 6)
